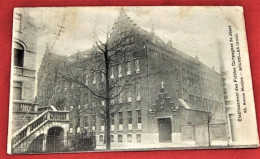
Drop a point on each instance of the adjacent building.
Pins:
(23, 70)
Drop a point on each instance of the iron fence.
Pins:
(51, 144)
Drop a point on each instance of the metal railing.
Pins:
(47, 144)
(18, 70)
(24, 71)
(36, 123)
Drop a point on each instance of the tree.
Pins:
(102, 64)
(105, 71)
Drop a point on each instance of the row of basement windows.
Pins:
(118, 72)
(120, 138)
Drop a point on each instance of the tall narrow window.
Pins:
(128, 67)
(112, 119)
(129, 113)
(138, 138)
(119, 70)
(139, 119)
(138, 93)
(129, 96)
(129, 137)
(17, 90)
(102, 124)
(93, 122)
(112, 72)
(120, 115)
(112, 138)
(18, 55)
(137, 65)
(130, 120)
(102, 75)
(94, 78)
(120, 98)
(85, 121)
(120, 138)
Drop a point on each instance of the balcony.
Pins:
(20, 106)
(24, 71)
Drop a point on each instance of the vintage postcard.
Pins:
(130, 78)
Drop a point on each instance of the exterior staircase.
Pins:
(39, 126)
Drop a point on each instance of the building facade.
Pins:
(23, 70)
(170, 97)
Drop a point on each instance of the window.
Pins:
(129, 113)
(120, 138)
(128, 68)
(17, 90)
(101, 138)
(70, 127)
(129, 137)
(120, 116)
(111, 72)
(129, 96)
(225, 90)
(85, 121)
(102, 76)
(102, 124)
(137, 65)
(103, 103)
(138, 138)
(112, 138)
(119, 70)
(93, 122)
(120, 97)
(139, 118)
(18, 55)
(94, 78)
(86, 82)
(17, 22)
(138, 93)
(112, 119)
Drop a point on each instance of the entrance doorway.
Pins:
(165, 129)
(55, 138)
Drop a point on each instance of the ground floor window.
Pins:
(129, 138)
(112, 138)
(138, 138)
(101, 138)
(120, 138)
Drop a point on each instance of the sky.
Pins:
(195, 31)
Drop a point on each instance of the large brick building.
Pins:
(168, 100)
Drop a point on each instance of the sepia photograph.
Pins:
(129, 79)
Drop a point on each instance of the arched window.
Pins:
(129, 138)
(120, 138)
(18, 55)
(101, 138)
(112, 138)
(138, 138)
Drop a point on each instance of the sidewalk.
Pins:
(127, 146)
